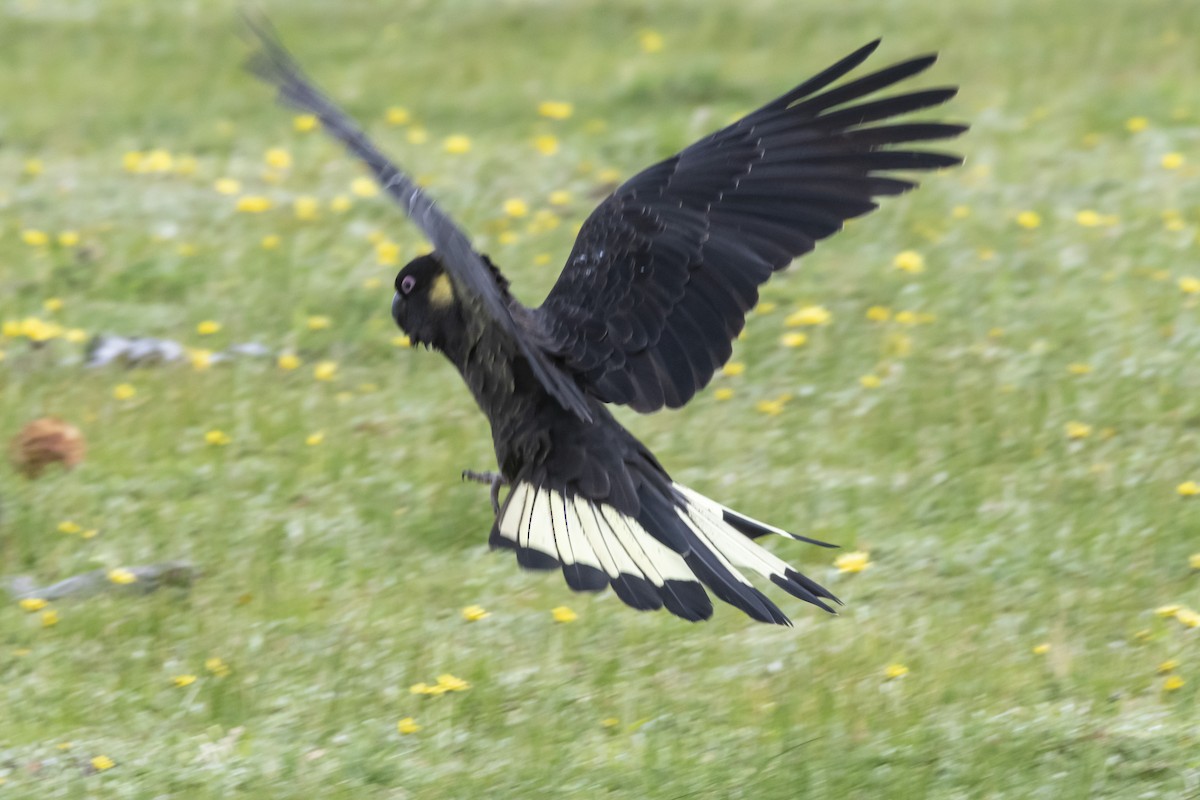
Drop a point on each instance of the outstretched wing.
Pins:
(665, 269)
(471, 275)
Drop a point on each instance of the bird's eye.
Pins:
(407, 285)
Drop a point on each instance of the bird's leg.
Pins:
(494, 478)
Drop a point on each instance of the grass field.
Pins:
(1010, 442)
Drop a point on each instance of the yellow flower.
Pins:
(253, 204)
(132, 161)
(318, 323)
(183, 680)
(1170, 665)
(1079, 368)
(33, 167)
(305, 207)
(1188, 489)
(101, 763)
(1173, 683)
(1189, 285)
(450, 683)
(906, 317)
(1088, 218)
(1078, 430)
(387, 253)
(121, 576)
(545, 144)
(1188, 618)
(879, 313)
(425, 688)
(372, 283)
(364, 187)
(288, 361)
(278, 158)
(724, 393)
(608, 175)
(340, 204)
(314, 439)
(909, 261)
(228, 185)
(473, 613)
(793, 339)
(457, 144)
(960, 212)
(68, 239)
(1169, 610)
(397, 115)
(853, 562)
(1172, 161)
(186, 166)
(417, 135)
(34, 237)
(650, 41)
(33, 604)
(563, 614)
(208, 327)
(401, 340)
(559, 197)
(733, 368)
(870, 381)
(303, 123)
(609, 722)
(1041, 649)
(1029, 219)
(765, 307)
(895, 671)
(1136, 124)
(69, 527)
(216, 666)
(49, 618)
(52, 304)
(157, 160)
(217, 438)
(407, 726)
(1194, 561)
(552, 109)
(76, 335)
(516, 207)
(808, 315)
(325, 370)
(270, 241)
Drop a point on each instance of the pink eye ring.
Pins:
(408, 284)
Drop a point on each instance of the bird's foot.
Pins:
(494, 478)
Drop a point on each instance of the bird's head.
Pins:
(425, 306)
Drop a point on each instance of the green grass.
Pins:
(333, 575)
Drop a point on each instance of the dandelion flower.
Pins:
(1136, 124)
(253, 204)
(288, 361)
(879, 313)
(1188, 618)
(270, 242)
(1188, 489)
(724, 393)
(33, 167)
(1194, 561)
(217, 438)
(32, 604)
(516, 207)
(1167, 611)
(1078, 430)
(894, 671)
(765, 307)
(325, 370)
(1041, 649)
(68, 239)
(1088, 218)
(609, 722)
(34, 237)
(52, 304)
(1029, 219)
(158, 160)
(121, 576)
(228, 186)
(960, 212)
(314, 439)
(1189, 285)
(49, 618)
(794, 339)
(68, 527)
(397, 115)
(473, 613)
(183, 680)
(306, 207)
(1079, 368)
(457, 144)
(552, 109)
(417, 135)
(546, 144)
(208, 327)
(101, 763)
(1173, 683)
(1172, 161)
(650, 41)
(340, 204)
(401, 340)
(278, 158)
(853, 562)
(559, 197)
(364, 187)
(216, 666)
(808, 315)
(387, 253)
(870, 381)
(1170, 665)
(733, 368)
(772, 408)
(909, 261)
(407, 726)
(450, 683)
(318, 322)
(563, 614)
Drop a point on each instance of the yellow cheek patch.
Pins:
(441, 293)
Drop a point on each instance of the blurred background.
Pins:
(985, 392)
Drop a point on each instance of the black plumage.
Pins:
(654, 291)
